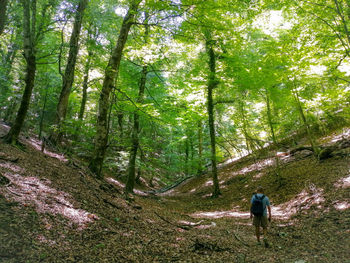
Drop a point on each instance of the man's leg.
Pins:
(265, 232)
(257, 233)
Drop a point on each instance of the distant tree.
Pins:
(3, 16)
(68, 75)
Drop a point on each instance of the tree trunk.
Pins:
(313, 144)
(29, 54)
(200, 148)
(187, 155)
(129, 187)
(43, 113)
(269, 117)
(3, 16)
(68, 76)
(135, 135)
(270, 123)
(212, 83)
(85, 86)
(111, 74)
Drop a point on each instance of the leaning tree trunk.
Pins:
(212, 84)
(111, 74)
(68, 76)
(3, 16)
(29, 55)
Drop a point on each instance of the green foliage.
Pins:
(265, 52)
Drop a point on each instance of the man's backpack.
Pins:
(257, 205)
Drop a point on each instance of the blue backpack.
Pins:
(257, 205)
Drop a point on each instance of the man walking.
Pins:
(259, 205)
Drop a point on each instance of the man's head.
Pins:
(260, 190)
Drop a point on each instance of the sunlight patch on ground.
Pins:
(122, 186)
(338, 137)
(221, 214)
(33, 191)
(43, 239)
(341, 206)
(12, 167)
(258, 166)
(37, 145)
(303, 201)
(209, 183)
(343, 182)
(257, 176)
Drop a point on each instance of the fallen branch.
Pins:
(9, 160)
(165, 220)
(240, 240)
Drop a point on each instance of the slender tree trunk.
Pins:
(212, 84)
(269, 117)
(270, 123)
(3, 16)
(85, 87)
(192, 168)
(187, 155)
(129, 187)
(306, 124)
(43, 113)
(200, 148)
(111, 74)
(29, 54)
(68, 77)
(244, 127)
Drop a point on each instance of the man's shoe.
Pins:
(266, 243)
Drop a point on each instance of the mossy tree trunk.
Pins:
(111, 73)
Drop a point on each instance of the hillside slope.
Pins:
(54, 210)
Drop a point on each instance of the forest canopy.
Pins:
(168, 89)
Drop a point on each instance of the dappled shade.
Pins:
(32, 191)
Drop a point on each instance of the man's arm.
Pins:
(250, 209)
(269, 209)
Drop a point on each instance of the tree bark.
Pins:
(85, 86)
(212, 84)
(269, 117)
(41, 124)
(29, 54)
(111, 74)
(129, 187)
(3, 16)
(200, 148)
(68, 77)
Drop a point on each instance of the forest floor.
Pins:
(54, 210)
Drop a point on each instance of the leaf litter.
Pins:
(54, 210)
